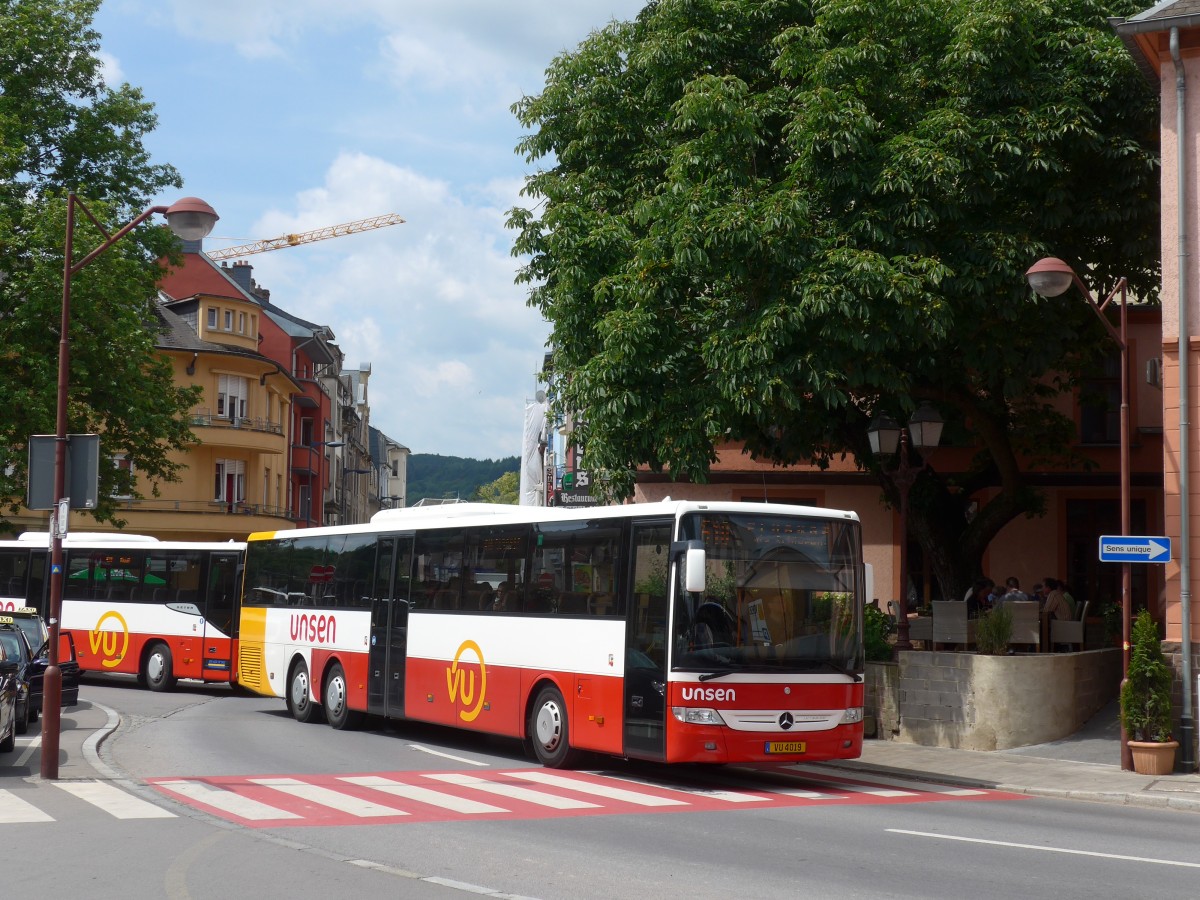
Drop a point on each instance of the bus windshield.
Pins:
(781, 594)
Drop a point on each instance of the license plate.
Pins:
(785, 747)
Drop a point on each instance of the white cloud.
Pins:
(110, 70)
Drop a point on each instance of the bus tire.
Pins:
(549, 731)
(337, 702)
(158, 668)
(299, 694)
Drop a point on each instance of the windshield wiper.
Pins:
(720, 673)
(836, 667)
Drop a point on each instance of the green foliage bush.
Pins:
(876, 628)
(1146, 694)
(993, 631)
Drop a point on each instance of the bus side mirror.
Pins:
(693, 570)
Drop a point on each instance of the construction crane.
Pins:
(306, 237)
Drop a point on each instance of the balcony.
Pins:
(255, 435)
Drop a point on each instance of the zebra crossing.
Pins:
(276, 801)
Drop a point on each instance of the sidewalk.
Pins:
(81, 729)
(1084, 766)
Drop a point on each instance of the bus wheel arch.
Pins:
(299, 695)
(548, 729)
(335, 697)
(158, 668)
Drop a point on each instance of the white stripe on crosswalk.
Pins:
(598, 790)
(713, 793)
(14, 810)
(323, 796)
(117, 803)
(422, 795)
(512, 791)
(242, 807)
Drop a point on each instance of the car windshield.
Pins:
(33, 628)
(781, 594)
(12, 644)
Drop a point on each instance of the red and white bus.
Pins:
(675, 631)
(161, 610)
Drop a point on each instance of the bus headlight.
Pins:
(694, 716)
(852, 716)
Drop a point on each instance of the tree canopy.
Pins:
(63, 129)
(767, 222)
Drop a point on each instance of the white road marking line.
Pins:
(117, 803)
(461, 759)
(598, 790)
(14, 810)
(512, 791)
(924, 787)
(1120, 856)
(230, 802)
(714, 793)
(34, 743)
(323, 796)
(423, 795)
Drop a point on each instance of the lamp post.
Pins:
(346, 506)
(1051, 277)
(925, 432)
(191, 219)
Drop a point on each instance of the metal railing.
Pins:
(207, 419)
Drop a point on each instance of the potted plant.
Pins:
(1146, 701)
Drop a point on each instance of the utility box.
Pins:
(83, 471)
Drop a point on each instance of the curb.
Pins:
(91, 747)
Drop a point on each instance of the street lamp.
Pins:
(1051, 277)
(925, 432)
(191, 219)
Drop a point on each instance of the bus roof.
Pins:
(459, 514)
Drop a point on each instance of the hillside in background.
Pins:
(455, 477)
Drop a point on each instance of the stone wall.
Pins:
(975, 702)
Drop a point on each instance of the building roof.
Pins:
(1144, 34)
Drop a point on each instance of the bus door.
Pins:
(646, 583)
(220, 614)
(389, 626)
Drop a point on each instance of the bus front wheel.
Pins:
(549, 731)
(158, 669)
(299, 697)
(337, 705)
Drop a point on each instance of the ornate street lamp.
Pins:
(925, 433)
(1051, 277)
(191, 219)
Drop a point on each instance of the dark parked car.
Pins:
(16, 648)
(9, 688)
(33, 670)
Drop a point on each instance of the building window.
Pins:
(212, 318)
(230, 481)
(229, 320)
(241, 323)
(1100, 405)
(232, 391)
(124, 464)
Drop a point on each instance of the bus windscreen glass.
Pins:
(780, 594)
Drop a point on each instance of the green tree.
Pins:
(62, 129)
(768, 222)
(505, 489)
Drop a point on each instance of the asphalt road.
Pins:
(727, 833)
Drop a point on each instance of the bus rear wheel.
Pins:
(336, 699)
(158, 668)
(299, 697)
(549, 731)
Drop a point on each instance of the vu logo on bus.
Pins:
(110, 646)
(316, 629)
(460, 683)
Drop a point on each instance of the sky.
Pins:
(293, 115)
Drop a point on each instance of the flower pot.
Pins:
(1153, 757)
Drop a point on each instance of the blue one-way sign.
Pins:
(1118, 548)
